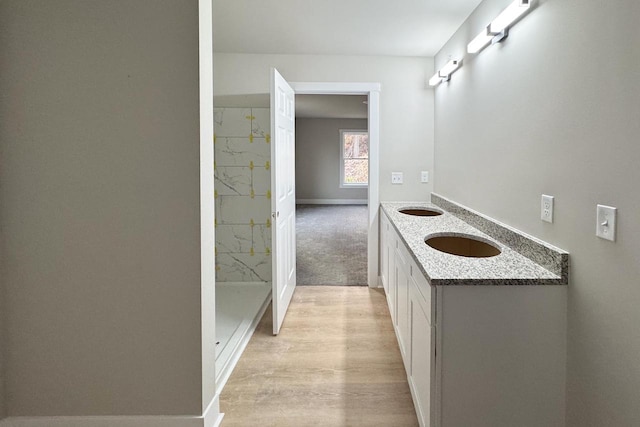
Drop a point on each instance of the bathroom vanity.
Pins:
(479, 310)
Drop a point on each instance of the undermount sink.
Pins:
(463, 246)
(420, 211)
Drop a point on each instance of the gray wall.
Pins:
(3, 347)
(99, 206)
(318, 159)
(406, 106)
(554, 109)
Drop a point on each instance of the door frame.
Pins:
(372, 90)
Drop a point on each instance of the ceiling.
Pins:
(332, 27)
(337, 27)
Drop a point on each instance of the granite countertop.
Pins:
(508, 268)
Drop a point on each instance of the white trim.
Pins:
(374, 186)
(108, 421)
(335, 88)
(331, 201)
(373, 92)
(210, 418)
(207, 205)
(341, 159)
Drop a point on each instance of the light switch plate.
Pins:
(396, 178)
(546, 208)
(606, 226)
(424, 176)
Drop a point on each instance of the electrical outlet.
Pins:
(546, 208)
(606, 226)
(396, 178)
(424, 176)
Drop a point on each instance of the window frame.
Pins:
(341, 142)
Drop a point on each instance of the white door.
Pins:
(283, 196)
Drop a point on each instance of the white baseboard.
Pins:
(106, 421)
(211, 418)
(331, 201)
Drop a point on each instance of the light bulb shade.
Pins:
(449, 68)
(509, 15)
(479, 43)
(435, 80)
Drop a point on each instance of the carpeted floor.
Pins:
(331, 247)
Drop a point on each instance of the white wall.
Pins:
(554, 109)
(318, 159)
(406, 129)
(100, 207)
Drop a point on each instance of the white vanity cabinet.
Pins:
(411, 313)
(476, 355)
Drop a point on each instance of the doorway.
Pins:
(332, 177)
(372, 92)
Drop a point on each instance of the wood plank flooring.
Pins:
(336, 362)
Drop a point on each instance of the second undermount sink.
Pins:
(463, 246)
(420, 211)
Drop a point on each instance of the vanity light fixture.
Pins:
(498, 29)
(444, 74)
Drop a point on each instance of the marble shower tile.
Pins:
(261, 238)
(243, 268)
(243, 210)
(241, 151)
(261, 180)
(233, 238)
(233, 181)
(232, 122)
(261, 122)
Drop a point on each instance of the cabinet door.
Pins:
(391, 297)
(402, 298)
(384, 252)
(420, 354)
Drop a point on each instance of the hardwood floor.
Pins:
(336, 362)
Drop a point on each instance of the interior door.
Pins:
(283, 196)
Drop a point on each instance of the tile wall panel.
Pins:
(243, 197)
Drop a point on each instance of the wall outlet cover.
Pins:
(546, 208)
(424, 176)
(396, 178)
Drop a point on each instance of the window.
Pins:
(354, 158)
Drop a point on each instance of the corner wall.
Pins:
(554, 109)
(406, 106)
(100, 207)
(318, 159)
(3, 339)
